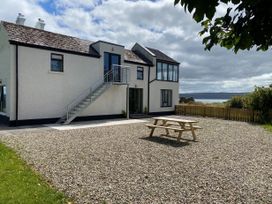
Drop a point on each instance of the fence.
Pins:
(220, 112)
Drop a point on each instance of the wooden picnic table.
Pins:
(176, 124)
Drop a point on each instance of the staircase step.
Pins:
(73, 113)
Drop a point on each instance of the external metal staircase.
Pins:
(118, 75)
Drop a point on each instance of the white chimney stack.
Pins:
(20, 19)
(40, 24)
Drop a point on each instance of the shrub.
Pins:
(260, 100)
(236, 102)
(186, 100)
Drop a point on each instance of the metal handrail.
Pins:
(109, 77)
(86, 93)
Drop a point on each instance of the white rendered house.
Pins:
(47, 77)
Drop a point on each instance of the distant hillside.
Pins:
(220, 95)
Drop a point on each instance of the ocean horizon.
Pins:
(211, 100)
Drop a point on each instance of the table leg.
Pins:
(182, 126)
(164, 124)
(193, 131)
(179, 136)
(152, 129)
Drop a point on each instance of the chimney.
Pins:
(40, 24)
(20, 19)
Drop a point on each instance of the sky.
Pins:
(153, 23)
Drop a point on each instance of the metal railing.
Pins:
(118, 74)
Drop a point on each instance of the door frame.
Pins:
(110, 60)
(110, 64)
(141, 100)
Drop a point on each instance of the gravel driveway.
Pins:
(230, 163)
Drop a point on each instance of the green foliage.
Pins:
(240, 102)
(236, 102)
(186, 100)
(19, 184)
(145, 110)
(245, 25)
(260, 99)
(268, 127)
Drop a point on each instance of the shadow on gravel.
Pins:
(166, 141)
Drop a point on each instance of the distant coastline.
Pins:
(211, 100)
(211, 96)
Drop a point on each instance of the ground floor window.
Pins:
(3, 96)
(166, 98)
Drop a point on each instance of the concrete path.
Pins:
(96, 123)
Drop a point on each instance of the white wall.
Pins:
(44, 94)
(155, 92)
(155, 95)
(5, 65)
(112, 102)
(143, 84)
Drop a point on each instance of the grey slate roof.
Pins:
(45, 39)
(161, 56)
(33, 36)
(132, 56)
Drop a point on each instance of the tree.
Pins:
(245, 25)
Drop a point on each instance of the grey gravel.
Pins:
(230, 163)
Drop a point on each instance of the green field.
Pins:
(20, 184)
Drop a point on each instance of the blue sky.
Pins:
(155, 24)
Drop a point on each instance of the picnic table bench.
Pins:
(175, 124)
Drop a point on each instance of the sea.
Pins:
(211, 100)
(215, 97)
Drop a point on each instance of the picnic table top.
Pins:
(175, 119)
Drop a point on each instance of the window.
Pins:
(167, 72)
(56, 63)
(175, 73)
(166, 98)
(170, 73)
(3, 96)
(159, 71)
(140, 73)
(164, 71)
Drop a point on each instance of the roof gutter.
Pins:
(12, 42)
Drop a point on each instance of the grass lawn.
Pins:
(20, 184)
(268, 127)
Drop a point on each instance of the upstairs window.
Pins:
(56, 63)
(140, 73)
(167, 72)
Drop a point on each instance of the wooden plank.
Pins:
(164, 127)
(175, 119)
(220, 112)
